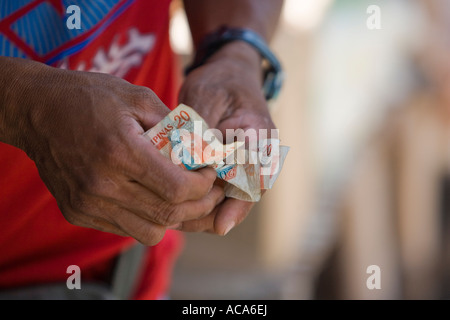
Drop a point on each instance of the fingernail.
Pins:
(228, 228)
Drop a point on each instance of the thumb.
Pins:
(151, 110)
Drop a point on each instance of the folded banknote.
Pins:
(247, 168)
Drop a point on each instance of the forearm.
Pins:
(206, 16)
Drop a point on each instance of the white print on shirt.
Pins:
(119, 59)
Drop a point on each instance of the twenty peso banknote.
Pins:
(246, 167)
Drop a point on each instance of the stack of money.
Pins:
(184, 137)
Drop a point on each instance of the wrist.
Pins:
(243, 45)
(242, 56)
(240, 52)
(24, 85)
(13, 110)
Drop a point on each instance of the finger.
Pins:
(144, 231)
(150, 207)
(106, 216)
(82, 219)
(205, 224)
(194, 210)
(149, 108)
(230, 214)
(167, 180)
(221, 220)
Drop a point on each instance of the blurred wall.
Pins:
(383, 153)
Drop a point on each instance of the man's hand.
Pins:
(84, 132)
(226, 92)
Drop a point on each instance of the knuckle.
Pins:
(151, 236)
(167, 193)
(90, 186)
(168, 196)
(144, 96)
(145, 92)
(169, 214)
(177, 193)
(181, 193)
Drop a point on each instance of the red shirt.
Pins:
(127, 38)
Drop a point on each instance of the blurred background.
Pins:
(366, 111)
